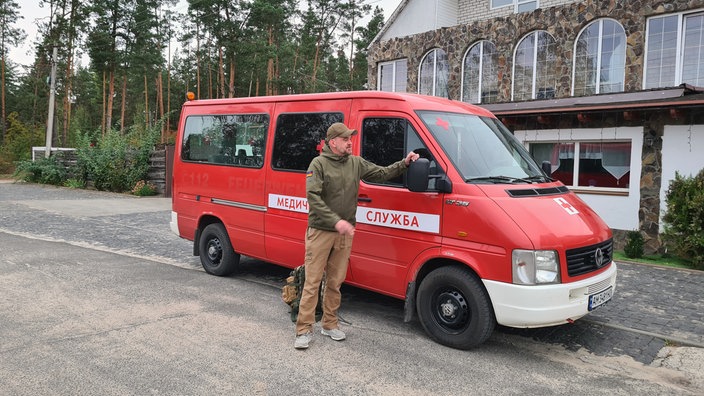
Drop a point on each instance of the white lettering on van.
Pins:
(293, 204)
(423, 222)
(571, 210)
(396, 219)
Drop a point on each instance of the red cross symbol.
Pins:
(444, 124)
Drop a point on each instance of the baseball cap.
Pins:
(339, 129)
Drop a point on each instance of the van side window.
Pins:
(297, 139)
(387, 140)
(225, 139)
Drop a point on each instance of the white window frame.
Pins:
(633, 135)
(574, 185)
(394, 64)
(535, 63)
(481, 70)
(516, 5)
(679, 51)
(435, 70)
(599, 54)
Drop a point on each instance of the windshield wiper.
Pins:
(499, 179)
(540, 178)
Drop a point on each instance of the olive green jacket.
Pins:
(332, 184)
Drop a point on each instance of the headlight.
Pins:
(532, 267)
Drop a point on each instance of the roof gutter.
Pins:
(683, 96)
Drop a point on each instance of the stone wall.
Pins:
(564, 22)
(157, 169)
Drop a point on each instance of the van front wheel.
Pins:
(454, 308)
(215, 250)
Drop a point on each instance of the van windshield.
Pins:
(482, 149)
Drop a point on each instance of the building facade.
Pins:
(607, 91)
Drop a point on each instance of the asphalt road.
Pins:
(98, 297)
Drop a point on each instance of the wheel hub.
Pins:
(448, 309)
(452, 310)
(214, 250)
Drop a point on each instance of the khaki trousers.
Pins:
(329, 252)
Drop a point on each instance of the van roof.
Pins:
(415, 101)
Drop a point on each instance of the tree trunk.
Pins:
(197, 62)
(277, 74)
(270, 66)
(295, 61)
(4, 118)
(67, 97)
(69, 70)
(146, 99)
(221, 72)
(231, 84)
(104, 108)
(210, 76)
(111, 95)
(160, 102)
(315, 60)
(124, 104)
(168, 93)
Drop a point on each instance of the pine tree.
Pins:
(9, 36)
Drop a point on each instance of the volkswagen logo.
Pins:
(599, 258)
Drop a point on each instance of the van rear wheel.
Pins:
(215, 250)
(454, 308)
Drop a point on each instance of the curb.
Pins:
(677, 340)
(691, 270)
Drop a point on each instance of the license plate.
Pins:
(601, 298)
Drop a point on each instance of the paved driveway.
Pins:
(95, 282)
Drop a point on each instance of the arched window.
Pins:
(434, 72)
(534, 74)
(600, 59)
(480, 80)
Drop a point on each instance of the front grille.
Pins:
(532, 192)
(584, 260)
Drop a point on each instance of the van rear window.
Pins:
(298, 137)
(225, 139)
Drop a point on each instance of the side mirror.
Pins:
(546, 167)
(417, 175)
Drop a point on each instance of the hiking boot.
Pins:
(335, 334)
(302, 340)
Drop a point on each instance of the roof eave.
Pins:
(655, 98)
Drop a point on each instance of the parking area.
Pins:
(653, 307)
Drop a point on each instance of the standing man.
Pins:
(332, 184)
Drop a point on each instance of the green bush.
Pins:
(17, 143)
(634, 245)
(143, 189)
(684, 219)
(74, 183)
(44, 170)
(115, 162)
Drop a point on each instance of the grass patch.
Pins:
(656, 259)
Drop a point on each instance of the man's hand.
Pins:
(411, 157)
(344, 228)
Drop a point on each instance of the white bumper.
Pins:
(174, 223)
(547, 305)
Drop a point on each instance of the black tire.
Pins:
(215, 251)
(454, 308)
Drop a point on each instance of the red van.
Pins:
(472, 235)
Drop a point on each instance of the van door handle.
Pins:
(364, 199)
